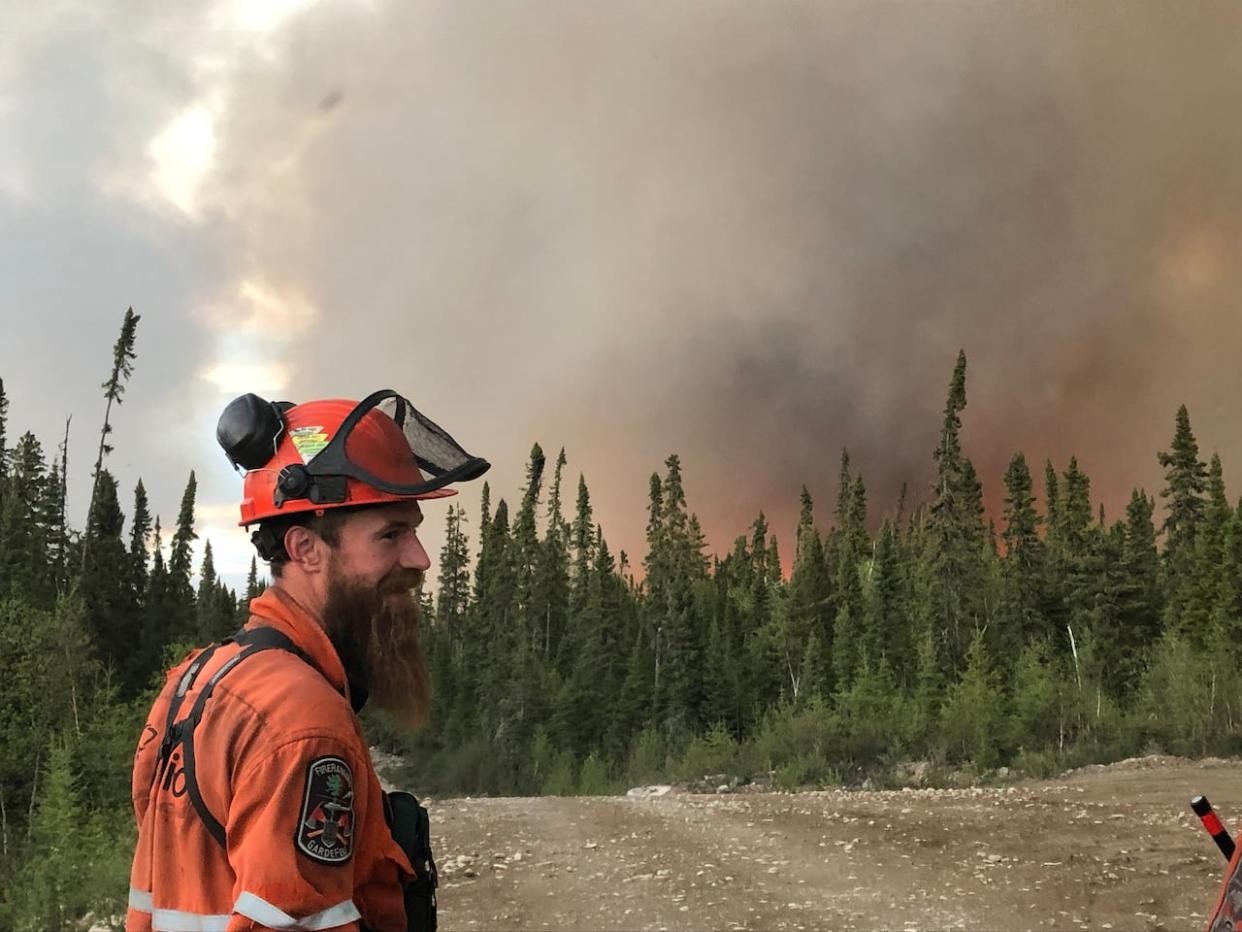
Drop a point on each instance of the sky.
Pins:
(750, 234)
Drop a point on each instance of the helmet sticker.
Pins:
(308, 441)
(325, 831)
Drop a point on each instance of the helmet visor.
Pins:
(389, 444)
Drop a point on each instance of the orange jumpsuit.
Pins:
(283, 766)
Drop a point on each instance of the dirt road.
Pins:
(1112, 848)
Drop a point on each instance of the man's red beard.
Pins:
(374, 629)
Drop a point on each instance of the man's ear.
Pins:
(306, 549)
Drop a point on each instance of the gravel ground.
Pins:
(1101, 848)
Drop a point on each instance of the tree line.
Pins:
(916, 631)
(90, 617)
(919, 630)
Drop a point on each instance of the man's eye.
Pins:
(391, 535)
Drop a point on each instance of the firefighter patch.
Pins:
(326, 829)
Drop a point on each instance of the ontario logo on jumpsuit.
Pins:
(326, 828)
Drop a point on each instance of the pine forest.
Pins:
(917, 632)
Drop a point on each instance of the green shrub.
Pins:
(716, 752)
(593, 779)
(973, 716)
(561, 778)
(648, 758)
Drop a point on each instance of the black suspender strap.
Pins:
(172, 728)
(269, 637)
(252, 641)
(213, 824)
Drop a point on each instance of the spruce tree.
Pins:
(139, 542)
(1186, 483)
(1202, 619)
(1023, 566)
(24, 532)
(655, 563)
(1228, 614)
(114, 390)
(453, 581)
(55, 495)
(156, 626)
(215, 608)
(582, 538)
(253, 589)
(4, 450)
(957, 529)
(556, 520)
(526, 540)
(681, 642)
(550, 604)
(884, 631)
(105, 580)
(1184, 494)
(810, 589)
(184, 536)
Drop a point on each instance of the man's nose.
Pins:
(414, 555)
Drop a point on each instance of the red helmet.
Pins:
(335, 453)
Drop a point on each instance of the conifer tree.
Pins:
(719, 682)
(633, 708)
(526, 541)
(957, 528)
(498, 650)
(55, 492)
(4, 450)
(884, 631)
(556, 520)
(184, 536)
(973, 715)
(253, 589)
(810, 590)
(1186, 479)
(550, 604)
(453, 581)
(215, 606)
(582, 538)
(1228, 613)
(656, 560)
(114, 390)
(66, 838)
(806, 521)
(24, 563)
(139, 542)
(105, 577)
(681, 640)
(696, 550)
(1201, 615)
(851, 549)
(1184, 492)
(1052, 500)
(156, 626)
(1023, 567)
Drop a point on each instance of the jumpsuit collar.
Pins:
(275, 608)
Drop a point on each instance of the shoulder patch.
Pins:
(325, 831)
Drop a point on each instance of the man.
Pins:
(256, 800)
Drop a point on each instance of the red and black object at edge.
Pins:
(1203, 809)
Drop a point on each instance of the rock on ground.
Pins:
(1097, 849)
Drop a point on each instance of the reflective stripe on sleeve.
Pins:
(176, 920)
(140, 900)
(260, 910)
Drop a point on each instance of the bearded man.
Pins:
(256, 800)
